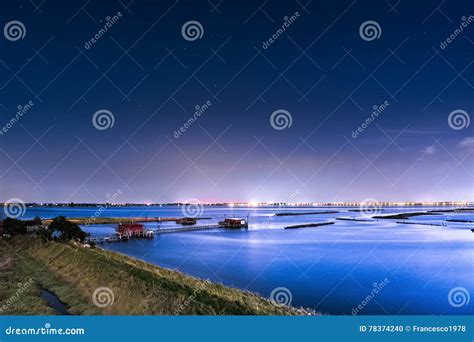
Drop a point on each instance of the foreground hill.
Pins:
(94, 281)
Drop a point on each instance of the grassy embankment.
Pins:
(139, 288)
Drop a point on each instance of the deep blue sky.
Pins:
(155, 78)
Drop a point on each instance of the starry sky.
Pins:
(235, 65)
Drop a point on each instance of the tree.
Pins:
(34, 222)
(13, 226)
(66, 230)
(45, 234)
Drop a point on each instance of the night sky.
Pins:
(320, 70)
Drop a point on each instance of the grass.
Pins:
(73, 273)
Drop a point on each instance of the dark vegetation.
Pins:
(60, 229)
(404, 216)
(309, 225)
(420, 223)
(460, 221)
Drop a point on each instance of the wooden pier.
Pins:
(185, 229)
(123, 237)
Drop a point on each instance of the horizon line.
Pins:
(251, 204)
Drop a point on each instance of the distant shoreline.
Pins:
(115, 220)
(254, 205)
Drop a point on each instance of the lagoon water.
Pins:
(334, 269)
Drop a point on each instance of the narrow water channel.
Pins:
(54, 302)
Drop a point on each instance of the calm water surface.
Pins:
(331, 269)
